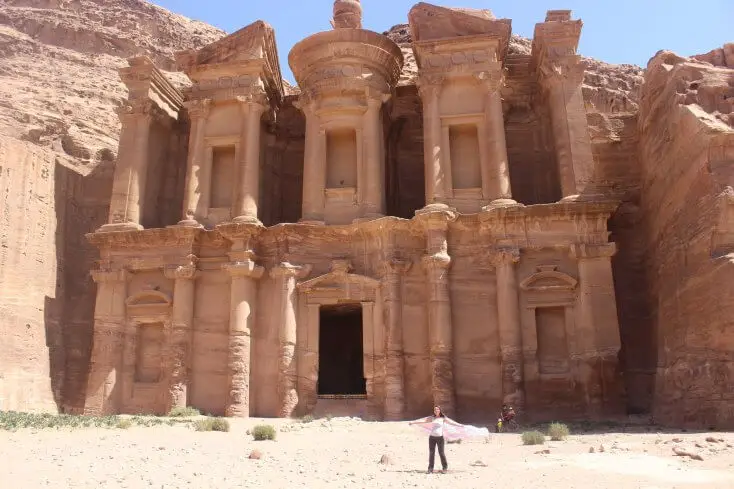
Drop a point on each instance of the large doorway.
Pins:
(341, 370)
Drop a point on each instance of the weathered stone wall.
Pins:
(31, 308)
(687, 149)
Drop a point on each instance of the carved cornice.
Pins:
(143, 79)
(592, 251)
(548, 279)
(170, 237)
(136, 108)
(234, 231)
(247, 269)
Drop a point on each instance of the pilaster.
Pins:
(193, 210)
(181, 332)
(286, 275)
(245, 208)
(508, 321)
(103, 391)
(435, 220)
(395, 269)
(429, 89)
(597, 326)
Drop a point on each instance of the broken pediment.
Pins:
(254, 44)
(431, 22)
(548, 279)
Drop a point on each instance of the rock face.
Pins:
(661, 144)
(686, 137)
(59, 88)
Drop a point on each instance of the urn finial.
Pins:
(347, 14)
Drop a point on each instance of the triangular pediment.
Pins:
(547, 279)
(338, 280)
(431, 22)
(253, 43)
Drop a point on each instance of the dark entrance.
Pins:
(340, 350)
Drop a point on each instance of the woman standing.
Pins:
(436, 425)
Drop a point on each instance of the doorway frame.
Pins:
(339, 287)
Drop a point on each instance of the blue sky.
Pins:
(619, 31)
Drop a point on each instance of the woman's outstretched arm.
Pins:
(422, 420)
(451, 421)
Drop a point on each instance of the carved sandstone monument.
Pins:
(484, 295)
(445, 213)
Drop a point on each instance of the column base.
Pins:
(368, 217)
(583, 198)
(497, 203)
(120, 227)
(435, 207)
(247, 220)
(312, 222)
(189, 223)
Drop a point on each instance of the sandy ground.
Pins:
(346, 453)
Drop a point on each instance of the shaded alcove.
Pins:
(341, 370)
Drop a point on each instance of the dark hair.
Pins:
(440, 411)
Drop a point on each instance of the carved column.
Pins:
(374, 195)
(243, 295)
(395, 362)
(128, 187)
(245, 208)
(192, 207)
(561, 80)
(597, 325)
(510, 332)
(429, 88)
(181, 332)
(436, 263)
(314, 165)
(286, 275)
(496, 174)
(103, 391)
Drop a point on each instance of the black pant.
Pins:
(434, 441)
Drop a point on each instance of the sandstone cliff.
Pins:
(58, 139)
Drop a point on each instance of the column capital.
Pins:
(429, 85)
(564, 69)
(247, 268)
(257, 100)
(141, 108)
(435, 216)
(288, 270)
(103, 275)
(504, 256)
(180, 272)
(492, 80)
(199, 108)
(438, 262)
(375, 98)
(583, 251)
(397, 266)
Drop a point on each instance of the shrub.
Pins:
(211, 424)
(183, 412)
(124, 424)
(558, 431)
(533, 438)
(263, 432)
(307, 419)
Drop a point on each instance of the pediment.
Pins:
(338, 280)
(254, 43)
(548, 279)
(149, 298)
(431, 22)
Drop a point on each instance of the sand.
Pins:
(346, 452)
